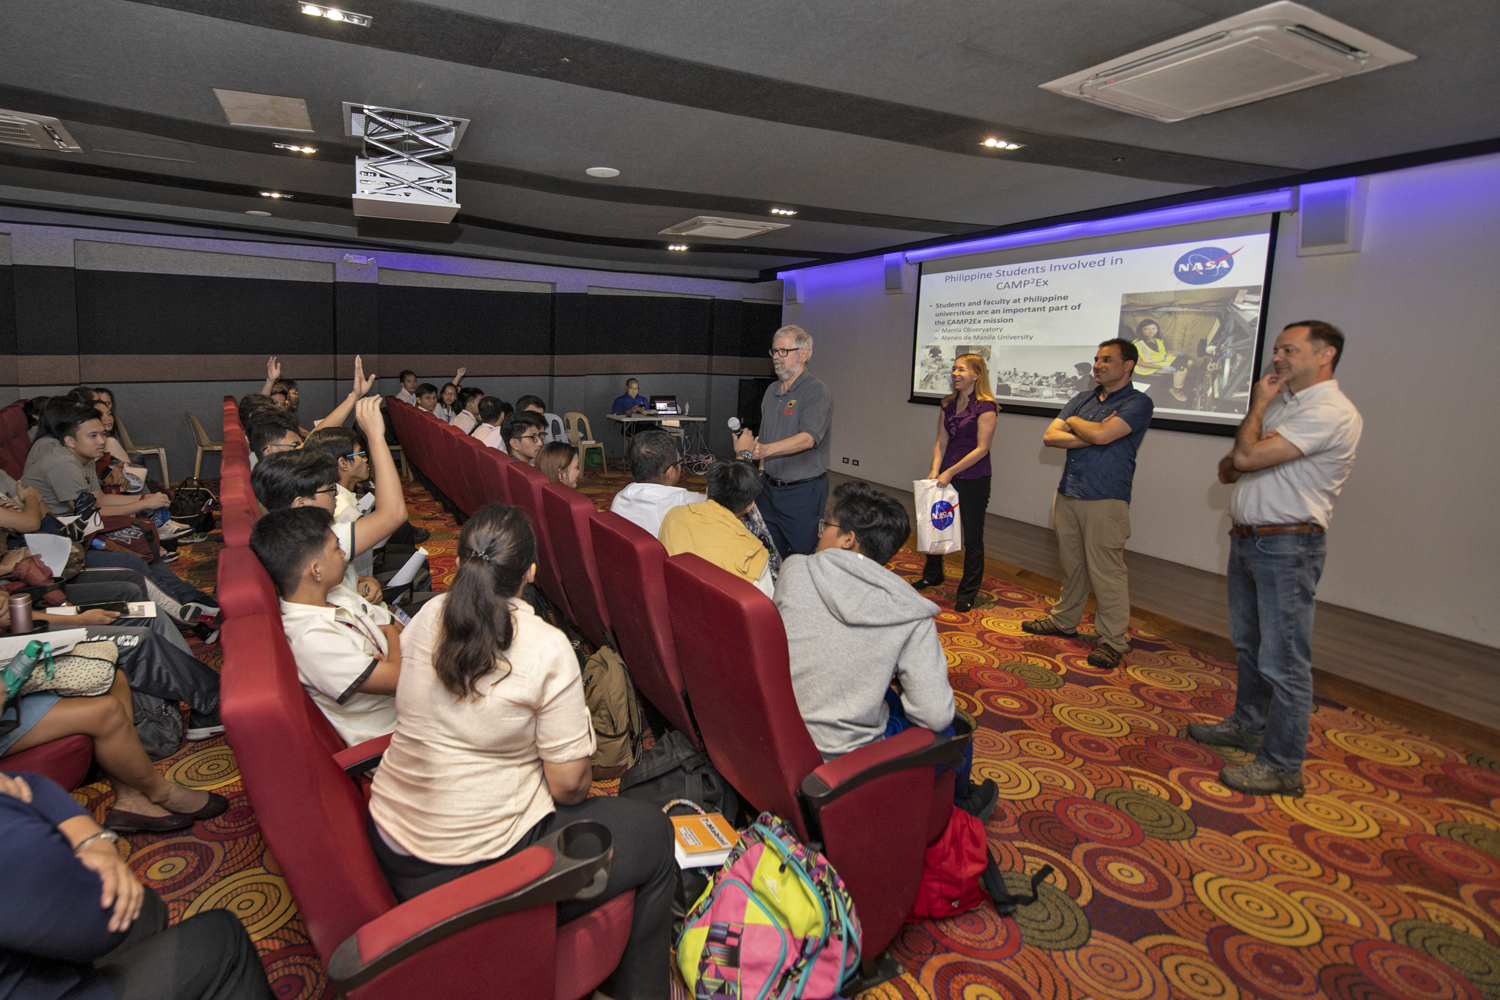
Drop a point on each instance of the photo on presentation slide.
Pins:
(1046, 374)
(1197, 348)
(1191, 303)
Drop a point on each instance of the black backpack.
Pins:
(675, 769)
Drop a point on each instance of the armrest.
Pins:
(362, 757)
(573, 863)
(915, 747)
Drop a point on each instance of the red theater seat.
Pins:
(629, 561)
(568, 512)
(244, 588)
(492, 477)
(65, 761)
(526, 493)
(493, 931)
(871, 809)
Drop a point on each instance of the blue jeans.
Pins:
(1272, 580)
(791, 514)
(897, 722)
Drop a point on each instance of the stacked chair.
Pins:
(492, 931)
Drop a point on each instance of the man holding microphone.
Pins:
(796, 414)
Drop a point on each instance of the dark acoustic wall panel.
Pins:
(729, 327)
(356, 317)
(570, 322)
(649, 324)
(417, 320)
(121, 312)
(46, 322)
(762, 320)
(7, 310)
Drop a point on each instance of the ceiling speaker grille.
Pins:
(722, 229)
(1272, 50)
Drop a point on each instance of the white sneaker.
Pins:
(173, 529)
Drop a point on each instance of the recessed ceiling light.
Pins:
(273, 194)
(335, 14)
(1001, 144)
(677, 246)
(256, 211)
(293, 148)
(602, 172)
(783, 211)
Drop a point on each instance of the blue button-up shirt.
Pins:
(1105, 471)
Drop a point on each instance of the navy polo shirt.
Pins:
(1105, 472)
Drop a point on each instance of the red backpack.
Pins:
(951, 870)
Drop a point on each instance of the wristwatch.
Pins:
(108, 835)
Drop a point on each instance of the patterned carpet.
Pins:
(1381, 883)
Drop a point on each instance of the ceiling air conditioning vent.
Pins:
(722, 229)
(35, 132)
(1261, 53)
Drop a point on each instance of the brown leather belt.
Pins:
(1252, 530)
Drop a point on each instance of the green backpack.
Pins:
(618, 726)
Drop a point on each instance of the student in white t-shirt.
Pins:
(466, 417)
(408, 393)
(348, 650)
(656, 464)
(310, 478)
(1291, 457)
(492, 413)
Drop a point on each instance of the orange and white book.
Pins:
(702, 841)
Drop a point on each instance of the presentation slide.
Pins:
(1192, 307)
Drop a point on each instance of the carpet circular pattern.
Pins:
(1381, 883)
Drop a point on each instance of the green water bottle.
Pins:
(18, 671)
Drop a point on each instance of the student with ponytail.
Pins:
(492, 751)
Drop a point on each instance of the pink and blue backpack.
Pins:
(775, 923)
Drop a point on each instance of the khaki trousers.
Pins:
(1091, 537)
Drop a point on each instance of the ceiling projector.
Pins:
(403, 173)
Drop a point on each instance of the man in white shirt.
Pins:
(656, 465)
(492, 412)
(1292, 455)
(348, 650)
(408, 393)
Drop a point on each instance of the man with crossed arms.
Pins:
(1291, 457)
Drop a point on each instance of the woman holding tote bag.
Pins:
(961, 458)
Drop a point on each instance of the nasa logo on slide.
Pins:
(1204, 265)
(942, 515)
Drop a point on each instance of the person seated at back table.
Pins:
(78, 925)
(558, 461)
(656, 465)
(348, 649)
(524, 433)
(492, 413)
(492, 750)
(466, 412)
(716, 530)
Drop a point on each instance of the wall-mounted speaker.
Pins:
(899, 275)
(1331, 216)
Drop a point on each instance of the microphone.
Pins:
(735, 426)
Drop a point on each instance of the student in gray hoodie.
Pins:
(852, 625)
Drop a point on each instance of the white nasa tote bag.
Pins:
(938, 529)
